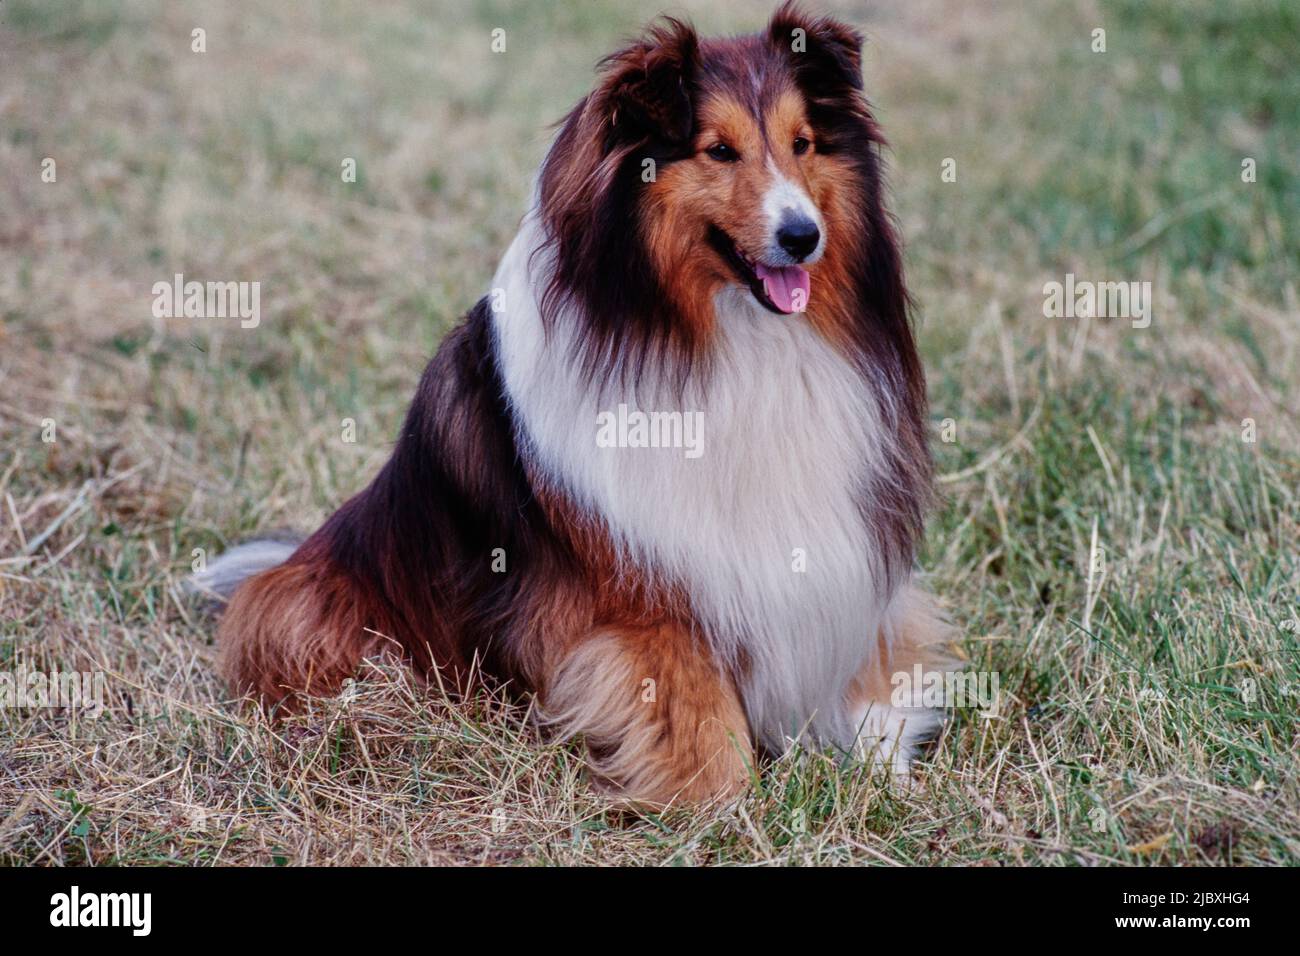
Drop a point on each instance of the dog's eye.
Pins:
(722, 153)
(801, 145)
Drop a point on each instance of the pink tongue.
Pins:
(788, 286)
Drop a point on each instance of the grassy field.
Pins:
(1148, 697)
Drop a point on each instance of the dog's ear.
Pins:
(824, 52)
(647, 90)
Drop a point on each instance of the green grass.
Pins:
(1148, 709)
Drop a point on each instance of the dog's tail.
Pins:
(229, 570)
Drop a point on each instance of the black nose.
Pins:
(798, 236)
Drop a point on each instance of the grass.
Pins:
(1148, 700)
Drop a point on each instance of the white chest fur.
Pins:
(763, 528)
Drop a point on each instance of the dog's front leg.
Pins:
(887, 700)
(662, 722)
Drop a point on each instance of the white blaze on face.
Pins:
(782, 198)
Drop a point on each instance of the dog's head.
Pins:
(698, 165)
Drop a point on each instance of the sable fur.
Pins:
(622, 278)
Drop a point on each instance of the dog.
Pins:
(707, 237)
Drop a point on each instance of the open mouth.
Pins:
(781, 289)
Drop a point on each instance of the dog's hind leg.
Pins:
(300, 628)
(663, 724)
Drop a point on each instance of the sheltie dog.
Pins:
(707, 241)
